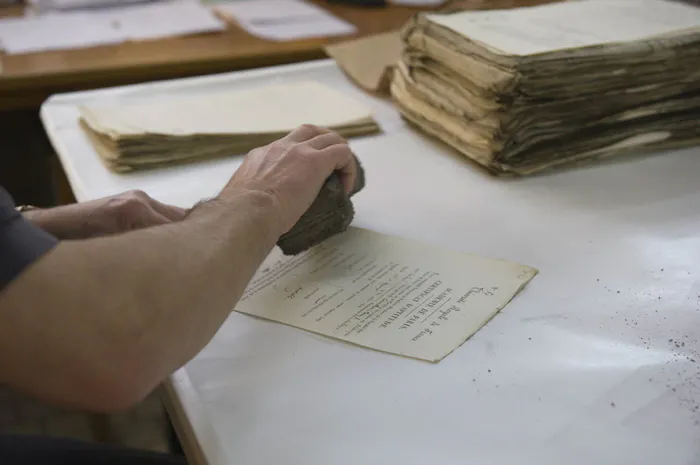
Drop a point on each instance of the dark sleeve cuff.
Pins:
(21, 244)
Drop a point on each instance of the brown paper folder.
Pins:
(369, 61)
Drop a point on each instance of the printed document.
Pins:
(384, 293)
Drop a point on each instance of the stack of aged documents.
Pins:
(523, 90)
(136, 134)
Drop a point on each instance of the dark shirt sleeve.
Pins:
(21, 243)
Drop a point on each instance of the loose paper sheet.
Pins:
(73, 5)
(384, 293)
(60, 31)
(556, 26)
(55, 31)
(166, 19)
(282, 20)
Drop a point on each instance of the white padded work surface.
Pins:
(596, 362)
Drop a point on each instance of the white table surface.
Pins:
(596, 362)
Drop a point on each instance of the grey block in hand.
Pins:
(359, 178)
(330, 214)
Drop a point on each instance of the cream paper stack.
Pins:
(146, 133)
(523, 90)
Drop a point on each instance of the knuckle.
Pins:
(129, 208)
(310, 130)
(328, 140)
(301, 151)
(132, 201)
(337, 139)
(296, 149)
(335, 136)
(276, 145)
(309, 127)
(135, 195)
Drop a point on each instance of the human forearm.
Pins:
(127, 310)
(98, 323)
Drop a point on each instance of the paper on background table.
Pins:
(69, 5)
(55, 31)
(282, 20)
(384, 293)
(164, 19)
(80, 29)
(551, 27)
(368, 60)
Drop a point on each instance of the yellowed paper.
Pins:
(135, 134)
(564, 25)
(265, 109)
(384, 293)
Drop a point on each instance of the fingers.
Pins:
(136, 210)
(336, 155)
(170, 212)
(339, 158)
(292, 170)
(304, 133)
(329, 148)
(328, 139)
(147, 218)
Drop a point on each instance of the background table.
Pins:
(27, 80)
(596, 362)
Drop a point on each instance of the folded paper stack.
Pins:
(527, 89)
(146, 133)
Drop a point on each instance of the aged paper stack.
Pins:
(137, 134)
(522, 90)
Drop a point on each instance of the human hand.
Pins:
(292, 170)
(111, 215)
